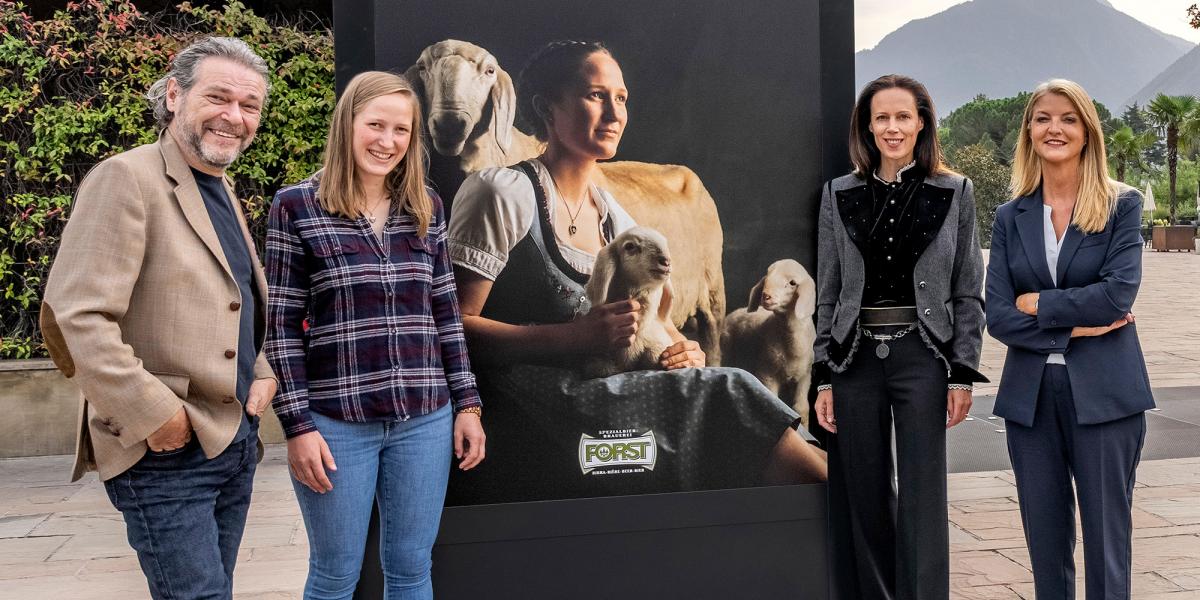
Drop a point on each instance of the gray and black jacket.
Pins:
(947, 280)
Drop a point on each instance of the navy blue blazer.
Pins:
(1098, 279)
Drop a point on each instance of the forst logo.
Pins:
(617, 451)
(638, 451)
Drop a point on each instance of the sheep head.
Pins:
(786, 287)
(465, 93)
(638, 259)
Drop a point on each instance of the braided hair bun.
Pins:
(544, 77)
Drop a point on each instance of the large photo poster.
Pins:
(713, 117)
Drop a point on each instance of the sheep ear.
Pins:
(756, 295)
(664, 305)
(602, 276)
(806, 297)
(413, 76)
(504, 109)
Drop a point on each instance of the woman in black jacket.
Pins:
(899, 331)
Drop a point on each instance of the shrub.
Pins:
(71, 94)
(990, 178)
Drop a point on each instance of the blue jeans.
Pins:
(402, 465)
(184, 515)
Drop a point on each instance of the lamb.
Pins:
(637, 265)
(776, 344)
(470, 102)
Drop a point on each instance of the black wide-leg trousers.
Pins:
(888, 524)
(1102, 460)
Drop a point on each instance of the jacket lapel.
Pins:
(854, 204)
(187, 193)
(1071, 239)
(1030, 226)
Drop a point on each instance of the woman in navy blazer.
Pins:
(1066, 262)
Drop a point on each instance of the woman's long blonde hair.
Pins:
(340, 191)
(1097, 193)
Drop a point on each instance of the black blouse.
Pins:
(891, 236)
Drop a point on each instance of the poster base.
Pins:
(763, 543)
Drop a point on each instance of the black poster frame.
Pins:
(766, 542)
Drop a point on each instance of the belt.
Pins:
(877, 317)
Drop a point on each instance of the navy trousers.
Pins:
(184, 515)
(1102, 460)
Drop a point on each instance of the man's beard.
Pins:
(217, 159)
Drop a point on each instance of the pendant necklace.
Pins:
(371, 213)
(578, 209)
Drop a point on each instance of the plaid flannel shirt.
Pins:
(384, 337)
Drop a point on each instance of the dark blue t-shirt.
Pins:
(237, 254)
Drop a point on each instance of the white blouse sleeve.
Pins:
(491, 213)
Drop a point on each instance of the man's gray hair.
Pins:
(183, 70)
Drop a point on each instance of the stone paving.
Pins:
(63, 540)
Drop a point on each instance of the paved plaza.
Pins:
(65, 541)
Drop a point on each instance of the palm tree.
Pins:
(1125, 148)
(1172, 115)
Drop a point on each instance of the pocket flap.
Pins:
(177, 383)
(334, 248)
(419, 244)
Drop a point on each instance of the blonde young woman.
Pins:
(1065, 267)
(375, 390)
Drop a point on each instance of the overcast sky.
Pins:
(877, 18)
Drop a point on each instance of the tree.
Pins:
(1173, 116)
(990, 177)
(1125, 148)
(1135, 118)
(996, 119)
(1108, 123)
(999, 120)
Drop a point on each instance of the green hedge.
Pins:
(71, 91)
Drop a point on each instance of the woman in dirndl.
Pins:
(523, 240)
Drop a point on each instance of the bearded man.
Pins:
(155, 307)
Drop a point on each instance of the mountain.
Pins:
(1001, 47)
(1182, 77)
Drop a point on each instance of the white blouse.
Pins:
(1053, 247)
(495, 209)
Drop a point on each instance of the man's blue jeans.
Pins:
(401, 464)
(184, 515)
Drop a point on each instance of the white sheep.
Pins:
(470, 106)
(470, 103)
(776, 343)
(635, 265)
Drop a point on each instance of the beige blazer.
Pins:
(141, 310)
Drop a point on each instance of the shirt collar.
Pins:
(899, 174)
